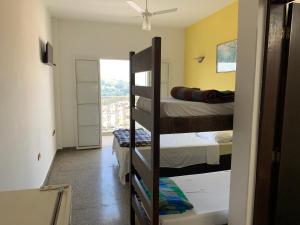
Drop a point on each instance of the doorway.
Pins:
(114, 74)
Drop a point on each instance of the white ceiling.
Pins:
(117, 11)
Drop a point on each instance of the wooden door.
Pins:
(277, 185)
(288, 196)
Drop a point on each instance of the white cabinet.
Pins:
(88, 103)
(87, 93)
(88, 136)
(88, 115)
(87, 70)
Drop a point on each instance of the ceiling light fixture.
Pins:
(146, 23)
(146, 15)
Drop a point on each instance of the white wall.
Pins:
(103, 40)
(26, 95)
(246, 116)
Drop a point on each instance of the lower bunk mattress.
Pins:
(209, 194)
(178, 151)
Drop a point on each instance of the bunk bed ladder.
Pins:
(145, 174)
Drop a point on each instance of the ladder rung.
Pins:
(142, 117)
(139, 211)
(142, 61)
(142, 194)
(143, 91)
(142, 167)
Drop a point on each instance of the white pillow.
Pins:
(224, 136)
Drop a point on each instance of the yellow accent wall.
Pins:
(202, 38)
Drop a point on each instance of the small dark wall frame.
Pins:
(226, 53)
(42, 51)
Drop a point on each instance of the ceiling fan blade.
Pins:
(135, 6)
(164, 11)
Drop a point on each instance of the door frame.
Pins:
(273, 81)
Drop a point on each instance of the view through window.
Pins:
(115, 93)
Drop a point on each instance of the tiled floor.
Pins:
(98, 196)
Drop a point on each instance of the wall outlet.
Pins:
(53, 132)
(39, 156)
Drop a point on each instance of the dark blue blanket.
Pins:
(142, 138)
(207, 96)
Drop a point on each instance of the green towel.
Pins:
(171, 198)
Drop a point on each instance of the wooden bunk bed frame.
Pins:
(144, 208)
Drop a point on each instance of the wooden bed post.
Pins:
(144, 174)
(155, 135)
(132, 132)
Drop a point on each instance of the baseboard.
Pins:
(67, 149)
(49, 170)
(79, 148)
(51, 166)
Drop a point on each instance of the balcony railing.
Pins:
(115, 113)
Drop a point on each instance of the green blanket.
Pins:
(171, 199)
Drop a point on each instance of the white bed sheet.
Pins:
(172, 107)
(209, 193)
(177, 151)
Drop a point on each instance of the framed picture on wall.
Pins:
(226, 57)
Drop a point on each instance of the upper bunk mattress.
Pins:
(209, 193)
(171, 107)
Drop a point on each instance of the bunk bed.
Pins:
(147, 174)
(181, 154)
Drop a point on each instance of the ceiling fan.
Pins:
(146, 15)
